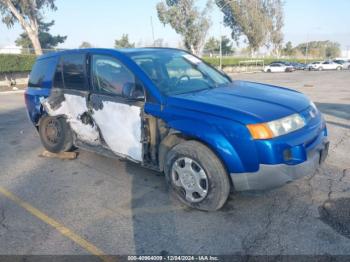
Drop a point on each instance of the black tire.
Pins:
(269, 70)
(320, 68)
(55, 134)
(218, 187)
(339, 68)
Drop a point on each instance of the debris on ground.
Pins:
(62, 155)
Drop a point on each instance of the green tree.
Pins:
(327, 49)
(26, 13)
(212, 45)
(288, 49)
(332, 50)
(47, 41)
(275, 25)
(260, 21)
(124, 42)
(185, 18)
(85, 44)
(227, 46)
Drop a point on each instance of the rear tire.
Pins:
(201, 182)
(339, 68)
(55, 134)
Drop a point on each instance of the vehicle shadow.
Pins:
(153, 213)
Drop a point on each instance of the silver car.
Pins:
(344, 63)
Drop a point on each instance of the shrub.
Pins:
(16, 63)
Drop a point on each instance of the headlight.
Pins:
(276, 128)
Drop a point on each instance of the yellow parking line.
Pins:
(59, 227)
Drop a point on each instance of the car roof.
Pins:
(127, 51)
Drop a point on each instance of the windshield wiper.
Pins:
(192, 91)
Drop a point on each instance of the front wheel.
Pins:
(55, 134)
(196, 176)
(339, 68)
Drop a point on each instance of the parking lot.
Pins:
(104, 206)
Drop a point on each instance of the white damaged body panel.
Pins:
(73, 107)
(120, 126)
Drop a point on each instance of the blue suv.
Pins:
(170, 111)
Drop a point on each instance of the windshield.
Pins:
(178, 72)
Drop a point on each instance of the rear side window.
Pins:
(70, 72)
(42, 72)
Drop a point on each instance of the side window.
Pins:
(74, 71)
(109, 75)
(38, 73)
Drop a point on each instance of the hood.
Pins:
(243, 101)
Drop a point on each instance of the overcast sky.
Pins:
(101, 22)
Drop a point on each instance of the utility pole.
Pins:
(221, 7)
(152, 31)
(307, 49)
(220, 45)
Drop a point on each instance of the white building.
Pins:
(10, 49)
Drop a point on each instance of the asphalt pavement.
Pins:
(96, 205)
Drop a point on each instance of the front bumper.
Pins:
(270, 176)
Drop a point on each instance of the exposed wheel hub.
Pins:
(191, 178)
(52, 131)
(187, 179)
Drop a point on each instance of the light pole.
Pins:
(220, 45)
(152, 31)
(307, 48)
(221, 7)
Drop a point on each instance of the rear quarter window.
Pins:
(74, 71)
(42, 73)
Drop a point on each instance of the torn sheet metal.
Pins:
(120, 126)
(73, 107)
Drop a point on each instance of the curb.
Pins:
(12, 92)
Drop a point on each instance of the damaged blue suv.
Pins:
(170, 111)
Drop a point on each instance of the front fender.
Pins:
(212, 138)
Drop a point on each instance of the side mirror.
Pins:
(133, 91)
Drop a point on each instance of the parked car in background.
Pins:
(278, 68)
(167, 110)
(344, 63)
(282, 62)
(313, 65)
(325, 65)
(298, 66)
